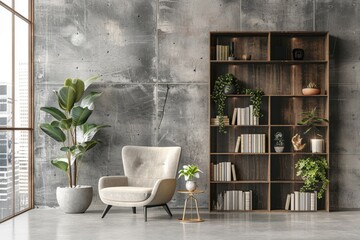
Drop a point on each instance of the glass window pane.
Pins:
(22, 75)
(21, 158)
(6, 179)
(6, 68)
(7, 2)
(22, 7)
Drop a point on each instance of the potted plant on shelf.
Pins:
(313, 170)
(225, 84)
(70, 128)
(312, 121)
(311, 89)
(279, 142)
(189, 172)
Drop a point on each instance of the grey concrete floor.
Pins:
(52, 224)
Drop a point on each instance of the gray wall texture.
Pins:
(154, 61)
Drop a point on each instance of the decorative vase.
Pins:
(311, 91)
(317, 145)
(74, 200)
(229, 89)
(298, 54)
(190, 186)
(279, 149)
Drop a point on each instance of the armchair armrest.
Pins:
(112, 181)
(163, 191)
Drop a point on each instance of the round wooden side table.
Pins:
(192, 199)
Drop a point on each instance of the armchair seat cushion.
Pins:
(126, 194)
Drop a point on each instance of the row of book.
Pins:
(234, 200)
(244, 116)
(216, 121)
(222, 52)
(301, 201)
(223, 171)
(251, 143)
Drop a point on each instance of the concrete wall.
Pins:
(154, 61)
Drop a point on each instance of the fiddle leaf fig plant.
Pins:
(314, 172)
(69, 126)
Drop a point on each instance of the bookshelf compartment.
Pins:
(259, 193)
(282, 111)
(303, 74)
(283, 44)
(279, 192)
(282, 168)
(287, 132)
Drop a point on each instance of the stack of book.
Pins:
(222, 52)
(252, 143)
(216, 121)
(244, 116)
(224, 171)
(234, 200)
(301, 201)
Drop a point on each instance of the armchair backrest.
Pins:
(145, 165)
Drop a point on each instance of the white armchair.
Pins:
(149, 181)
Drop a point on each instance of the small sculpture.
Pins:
(296, 141)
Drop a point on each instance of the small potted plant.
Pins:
(225, 84)
(189, 172)
(311, 89)
(312, 121)
(313, 170)
(279, 142)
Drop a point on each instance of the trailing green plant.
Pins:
(256, 100)
(279, 139)
(189, 172)
(312, 85)
(219, 96)
(313, 170)
(312, 121)
(70, 127)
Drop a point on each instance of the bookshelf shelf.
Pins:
(269, 175)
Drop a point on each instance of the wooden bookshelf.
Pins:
(270, 175)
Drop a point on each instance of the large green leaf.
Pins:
(78, 85)
(66, 97)
(66, 123)
(89, 131)
(56, 113)
(53, 131)
(80, 115)
(89, 99)
(60, 163)
(89, 81)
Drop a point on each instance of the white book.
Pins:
(230, 197)
(233, 120)
(225, 200)
(234, 195)
(292, 202)
(241, 200)
(247, 116)
(251, 115)
(237, 145)
(215, 173)
(308, 201)
(217, 52)
(242, 116)
(302, 201)
(238, 117)
(233, 172)
(297, 200)
(247, 201)
(251, 207)
(228, 171)
(315, 203)
(228, 200)
(287, 203)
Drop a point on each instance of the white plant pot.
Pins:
(190, 186)
(317, 145)
(279, 149)
(74, 200)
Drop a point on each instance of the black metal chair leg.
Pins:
(145, 213)
(167, 209)
(134, 210)
(106, 210)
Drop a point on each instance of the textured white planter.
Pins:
(279, 149)
(190, 186)
(74, 200)
(317, 145)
